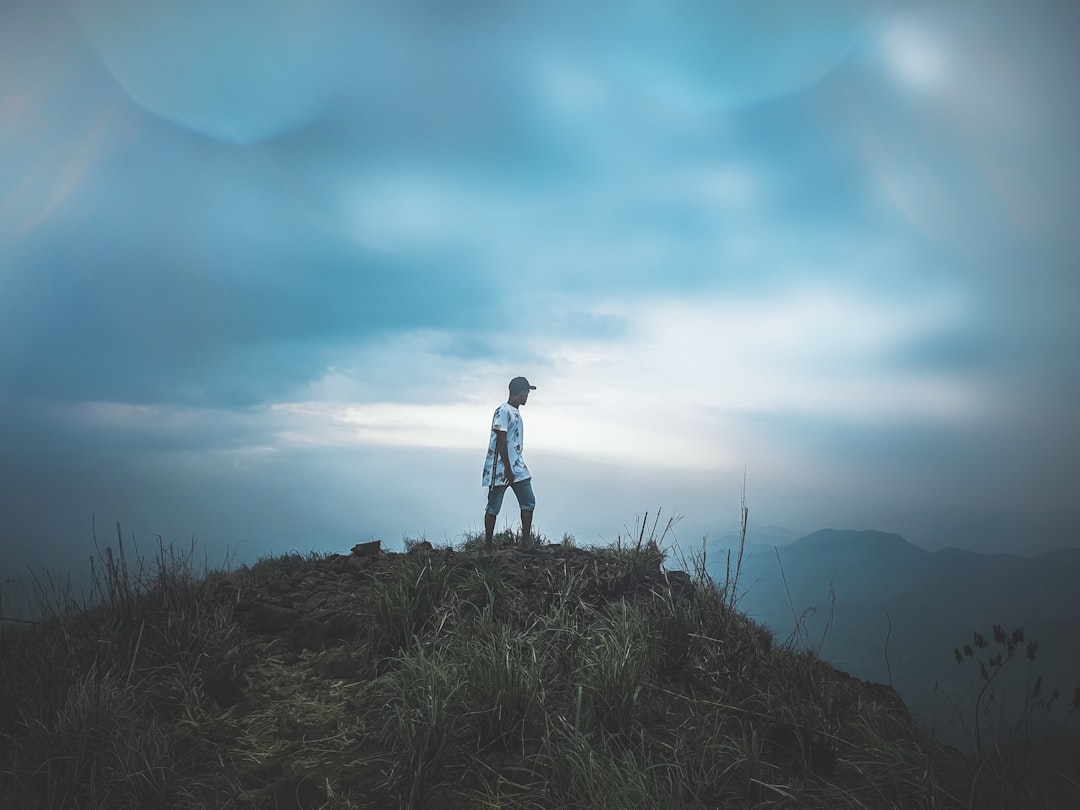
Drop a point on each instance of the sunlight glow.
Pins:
(915, 57)
(686, 389)
(817, 353)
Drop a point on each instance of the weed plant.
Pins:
(1001, 724)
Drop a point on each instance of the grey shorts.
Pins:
(522, 489)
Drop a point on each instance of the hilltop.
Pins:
(444, 678)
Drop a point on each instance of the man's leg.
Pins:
(527, 501)
(526, 528)
(491, 513)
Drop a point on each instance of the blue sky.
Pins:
(267, 267)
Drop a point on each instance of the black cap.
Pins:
(520, 384)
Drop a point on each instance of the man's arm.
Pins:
(503, 452)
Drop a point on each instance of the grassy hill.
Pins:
(444, 678)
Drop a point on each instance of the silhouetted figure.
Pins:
(505, 467)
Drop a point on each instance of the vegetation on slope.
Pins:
(444, 678)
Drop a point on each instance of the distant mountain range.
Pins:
(844, 589)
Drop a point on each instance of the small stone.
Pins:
(367, 549)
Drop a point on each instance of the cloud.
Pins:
(818, 356)
(831, 241)
(220, 291)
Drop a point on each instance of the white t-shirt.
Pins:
(507, 418)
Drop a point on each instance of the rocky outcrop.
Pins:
(315, 604)
(310, 605)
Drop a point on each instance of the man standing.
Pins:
(505, 466)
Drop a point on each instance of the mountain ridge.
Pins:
(884, 609)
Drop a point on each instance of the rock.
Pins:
(422, 547)
(371, 549)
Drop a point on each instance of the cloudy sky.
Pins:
(266, 267)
